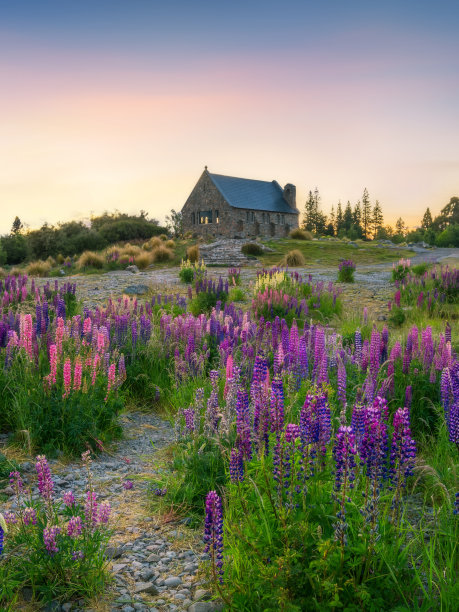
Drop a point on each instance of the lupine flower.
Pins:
(456, 504)
(69, 499)
(16, 482)
(341, 382)
(29, 516)
(10, 518)
(402, 455)
(45, 483)
(90, 508)
(277, 405)
(128, 484)
(77, 555)
(111, 379)
(77, 374)
(236, 465)
(243, 424)
(3, 530)
(160, 492)
(67, 377)
(104, 512)
(213, 532)
(74, 527)
(344, 452)
(49, 538)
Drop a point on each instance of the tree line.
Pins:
(74, 237)
(365, 220)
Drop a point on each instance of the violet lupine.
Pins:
(213, 533)
(190, 420)
(375, 353)
(16, 483)
(402, 456)
(45, 482)
(341, 376)
(236, 465)
(29, 516)
(10, 518)
(128, 484)
(74, 527)
(408, 396)
(49, 539)
(358, 347)
(3, 530)
(344, 452)
(277, 405)
(319, 350)
(244, 438)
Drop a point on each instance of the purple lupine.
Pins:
(341, 382)
(402, 456)
(90, 508)
(277, 405)
(128, 484)
(244, 438)
(358, 347)
(213, 533)
(236, 465)
(29, 516)
(408, 396)
(69, 499)
(49, 539)
(45, 482)
(319, 350)
(104, 512)
(74, 527)
(456, 505)
(375, 353)
(190, 419)
(344, 452)
(16, 482)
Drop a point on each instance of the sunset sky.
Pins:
(114, 104)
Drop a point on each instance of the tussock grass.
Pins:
(170, 244)
(143, 260)
(38, 268)
(294, 258)
(192, 253)
(299, 234)
(161, 254)
(90, 259)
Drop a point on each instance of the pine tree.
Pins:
(339, 218)
(349, 218)
(17, 226)
(332, 221)
(400, 227)
(309, 213)
(357, 220)
(366, 214)
(377, 219)
(426, 220)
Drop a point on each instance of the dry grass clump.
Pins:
(153, 243)
(143, 260)
(3, 273)
(38, 268)
(252, 248)
(294, 258)
(192, 253)
(170, 244)
(60, 259)
(130, 250)
(163, 237)
(89, 259)
(300, 234)
(112, 253)
(16, 272)
(161, 253)
(51, 261)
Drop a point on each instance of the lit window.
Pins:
(205, 217)
(217, 220)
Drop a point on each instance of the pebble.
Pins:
(173, 581)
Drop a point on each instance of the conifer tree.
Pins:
(427, 220)
(377, 219)
(366, 214)
(339, 218)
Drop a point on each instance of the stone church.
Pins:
(239, 208)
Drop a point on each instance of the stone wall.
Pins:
(232, 222)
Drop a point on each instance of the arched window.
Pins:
(278, 219)
(193, 218)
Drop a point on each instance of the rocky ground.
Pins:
(154, 560)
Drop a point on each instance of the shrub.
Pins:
(420, 269)
(163, 237)
(60, 259)
(234, 276)
(38, 268)
(143, 260)
(170, 244)
(294, 258)
(192, 253)
(300, 234)
(54, 548)
(236, 295)
(252, 248)
(346, 271)
(89, 259)
(186, 275)
(400, 269)
(161, 253)
(397, 316)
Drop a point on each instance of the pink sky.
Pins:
(83, 132)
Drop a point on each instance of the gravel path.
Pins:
(154, 561)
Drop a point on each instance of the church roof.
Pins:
(248, 193)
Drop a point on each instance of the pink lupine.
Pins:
(77, 374)
(59, 334)
(95, 365)
(87, 326)
(45, 483)
(68, 498)
(74, 527)
(67, 377)
(90, 508)
(104, 512)
(111, 379)
(52, 364)
(49, 538)
(25, 334)
(29, 516)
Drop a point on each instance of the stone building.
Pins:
(239, 208)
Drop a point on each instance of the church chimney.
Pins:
(290, 195)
